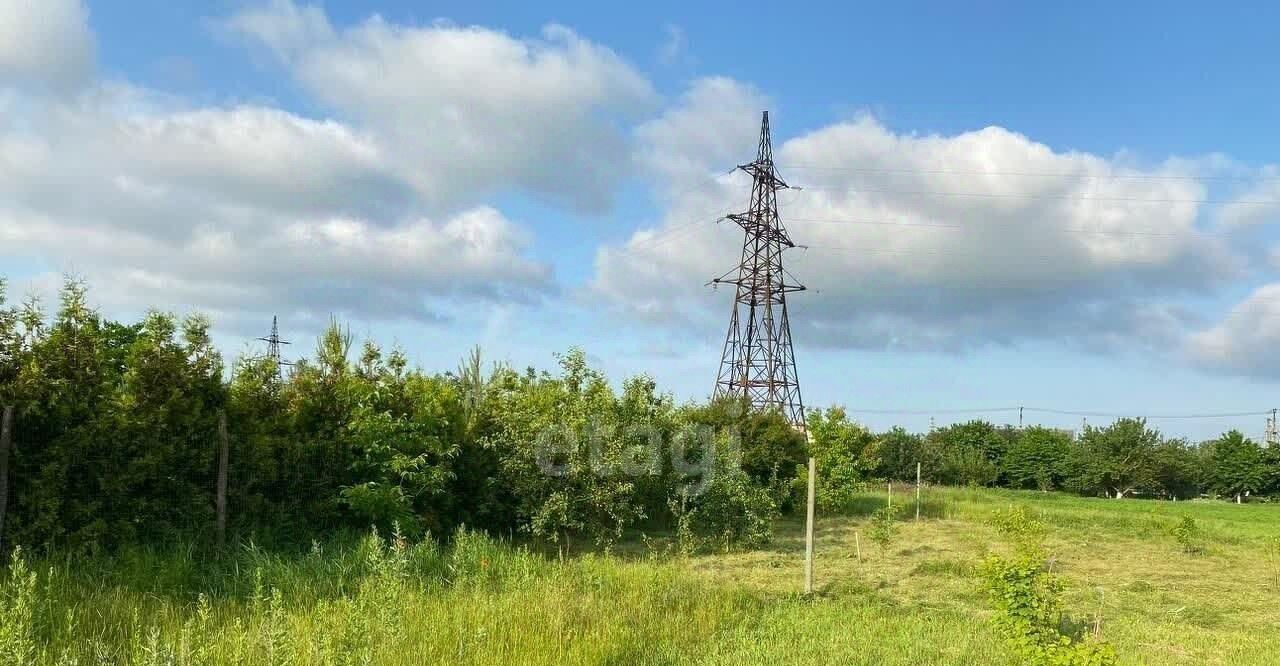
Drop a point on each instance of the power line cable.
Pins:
(1059, 412)
(1029, 174)
(1015, 225)
(1016, 195)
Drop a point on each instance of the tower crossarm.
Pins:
(761, 228)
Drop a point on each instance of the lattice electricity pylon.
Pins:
(273, 346)
(758, 361)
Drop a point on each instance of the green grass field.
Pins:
(918, 601)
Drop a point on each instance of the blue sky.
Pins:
(1087, 192)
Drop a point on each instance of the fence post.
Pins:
(221, 491)
(808, 529)
(917, 492)
(6, 436)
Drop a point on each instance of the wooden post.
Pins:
(917, 492)
(890, 484)
(221, 492)
(6, 435)
(808, 529)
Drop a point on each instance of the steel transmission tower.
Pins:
(273, 345)
(758, 362)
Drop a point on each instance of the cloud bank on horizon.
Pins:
(386, 201)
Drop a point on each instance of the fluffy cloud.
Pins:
(923, 242)
(306, 267)
(45, 44)
(246, 208)
(238, 209)
(1258, 204)
(1247, 340)
(466, 110)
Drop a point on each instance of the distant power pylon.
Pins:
(758, 361)
(1273, 430)
(273, 346)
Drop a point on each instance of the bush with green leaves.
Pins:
(898, 452)
(884, 526)
(1188, 535)
(1027, 600)
(725, 508)
(968, 454)
(845, 454)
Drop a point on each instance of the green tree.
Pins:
(1178, 469)
(1238, 466)
(1037, 459)
(899, 451)
(968, 453)
(562, 456)
(845, 453)
(1272, 464)
(1117, 460)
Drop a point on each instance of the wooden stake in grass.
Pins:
(890, 494)
(221, 496)
(917, 492)
(808, 529)
(6, 433)
(857, 543)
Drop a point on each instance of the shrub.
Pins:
(884, 525)
(732, 512)
(968, 453)
(1187, 532)
(899, 451)
(845, 454)
(1028, 600)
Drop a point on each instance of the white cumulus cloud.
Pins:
(45, 43)
(922, 241)
(466, 110)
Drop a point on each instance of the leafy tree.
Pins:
(563, 458)
(1237, 464)
(968, 453)
(845, 453)
(899, 451)
(1178, 469)
(1037, 459)
(1117, 460)
(1271, 456)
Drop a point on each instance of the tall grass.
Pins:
(378, 599)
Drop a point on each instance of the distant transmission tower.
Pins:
(1273, 430)
(273, 346)
(758, 361)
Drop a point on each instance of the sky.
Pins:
(1060, 207)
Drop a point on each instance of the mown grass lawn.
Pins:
(916, 601)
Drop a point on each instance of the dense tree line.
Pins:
(1124, 459)
(115, 440)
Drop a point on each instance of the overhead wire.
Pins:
(1059, 412)
(1032, 196)
(787, 166)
